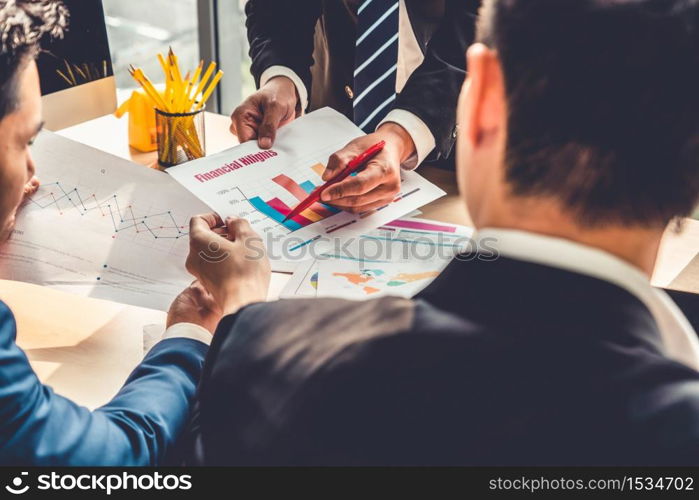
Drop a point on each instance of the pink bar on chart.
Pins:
(291, 186)
(284, 209)
(316, 211)
(421, 226)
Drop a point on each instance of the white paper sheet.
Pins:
(303, 284)
(102, 227)
(262, 187)
(410, 249)
(354, 280)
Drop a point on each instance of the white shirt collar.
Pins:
(678, 337)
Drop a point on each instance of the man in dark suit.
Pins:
(140, 424)
(543, 345)
(393, 66)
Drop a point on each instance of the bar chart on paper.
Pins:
(277, 209)
(264, 186)
(266, 201)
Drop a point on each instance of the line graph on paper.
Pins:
(113, 214)
(55, 196)
(101, 227)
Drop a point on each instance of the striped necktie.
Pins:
(376, 58)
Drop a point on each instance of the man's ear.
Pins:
(484, 95)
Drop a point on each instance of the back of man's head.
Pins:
(603, 99)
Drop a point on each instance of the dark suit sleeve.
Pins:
(432, 91)
(138, 427)
(281, 32)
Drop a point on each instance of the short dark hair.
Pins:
(603, 99)
(23, 23)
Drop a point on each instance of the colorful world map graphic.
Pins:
(372, 281)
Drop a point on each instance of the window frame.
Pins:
(226, 50)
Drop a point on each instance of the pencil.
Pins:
(70, 72)
(77, 68)
(195, 77)
(202, 82)
(209, 90)
(64, 77)
(181, 95)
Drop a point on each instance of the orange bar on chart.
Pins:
(318, 168)
(311, 215)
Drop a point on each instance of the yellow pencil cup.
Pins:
(142, 126)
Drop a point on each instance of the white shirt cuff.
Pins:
(188, 331)
(275, 71)
(419, 132)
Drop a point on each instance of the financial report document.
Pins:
(263, 186)
(101, 226)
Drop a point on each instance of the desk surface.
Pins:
(70, 325)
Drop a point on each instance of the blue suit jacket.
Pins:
(138, 427)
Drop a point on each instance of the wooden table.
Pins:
(68, 327)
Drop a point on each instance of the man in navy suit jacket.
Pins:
(37, 427)
(544, 345)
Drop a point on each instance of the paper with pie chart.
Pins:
(400, 258)
(263, 186)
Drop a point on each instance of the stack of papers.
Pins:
(103, 227)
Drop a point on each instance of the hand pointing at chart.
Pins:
(276, 104)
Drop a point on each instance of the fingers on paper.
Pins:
(375, 175)
(245, 121)
(274, 114)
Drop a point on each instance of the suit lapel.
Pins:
(425, 17)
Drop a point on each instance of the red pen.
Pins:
(351, 168)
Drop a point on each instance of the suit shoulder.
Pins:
(304, 336)
(350, 321)
(327, 321)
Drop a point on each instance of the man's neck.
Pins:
(636, 245)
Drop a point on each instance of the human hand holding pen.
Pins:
(379, 182)
(353, 166)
